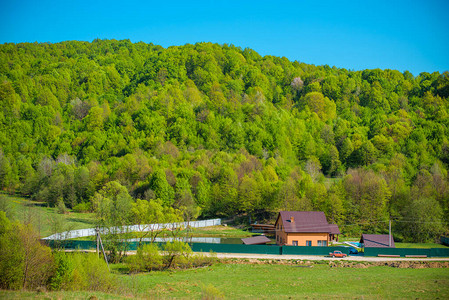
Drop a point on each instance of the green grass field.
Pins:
(46, 219)
(220, 231)
(281, 281)
(419, 245)
(250, 281)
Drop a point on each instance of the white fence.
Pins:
(133, 228)
(208, 240)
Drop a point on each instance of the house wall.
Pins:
(281, 236)
(303, 237)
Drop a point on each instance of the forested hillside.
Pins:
(216, 130)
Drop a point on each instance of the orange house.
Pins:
(304, 228)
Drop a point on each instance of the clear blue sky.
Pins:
(402, 35)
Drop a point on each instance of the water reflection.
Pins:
(211, 240)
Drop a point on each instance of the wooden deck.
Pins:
(265, 228)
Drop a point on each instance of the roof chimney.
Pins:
(292, 219)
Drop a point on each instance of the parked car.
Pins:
(337, 253)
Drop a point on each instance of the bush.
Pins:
(177, 254)
(82, 207)
(211, 292)
(200, 260)
(147, 258)
(62, 277)
(81, 271)
(62, 209)
(24, 261)
(94, 273)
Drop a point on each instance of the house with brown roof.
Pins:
(377, 241)
(304, 228)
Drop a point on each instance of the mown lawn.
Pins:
(250, 281)
(219, 231)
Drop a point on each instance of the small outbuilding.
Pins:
(256, 240)
(377, 241)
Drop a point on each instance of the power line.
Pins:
(395, 220)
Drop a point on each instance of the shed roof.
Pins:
(376, 240)
(334, 229)
(304, 221)
(256, 240)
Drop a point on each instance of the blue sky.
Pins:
(402, 35)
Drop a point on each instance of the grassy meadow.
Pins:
(44, 219)
(263, 281)
(237, 281)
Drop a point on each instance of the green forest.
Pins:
(210, 130)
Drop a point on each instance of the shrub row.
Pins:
(176, 254)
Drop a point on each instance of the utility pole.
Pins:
(389, 233)
(100, 243)
(97, 235)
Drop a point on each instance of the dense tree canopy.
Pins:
(216, 130)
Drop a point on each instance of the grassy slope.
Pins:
(43, 219)
(46, 219)
(237, 281)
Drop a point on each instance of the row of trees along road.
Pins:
(216, 130)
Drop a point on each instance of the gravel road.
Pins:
(303, 257)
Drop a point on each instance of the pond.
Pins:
(211, 240)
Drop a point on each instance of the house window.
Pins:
(295, 243)
(322, 243)
(308, 243)
(277, 238)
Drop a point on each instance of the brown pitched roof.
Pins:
(304, 221)
(334, 229)
(256, 240)
(376, 240)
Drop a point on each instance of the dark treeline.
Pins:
(216, 130)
